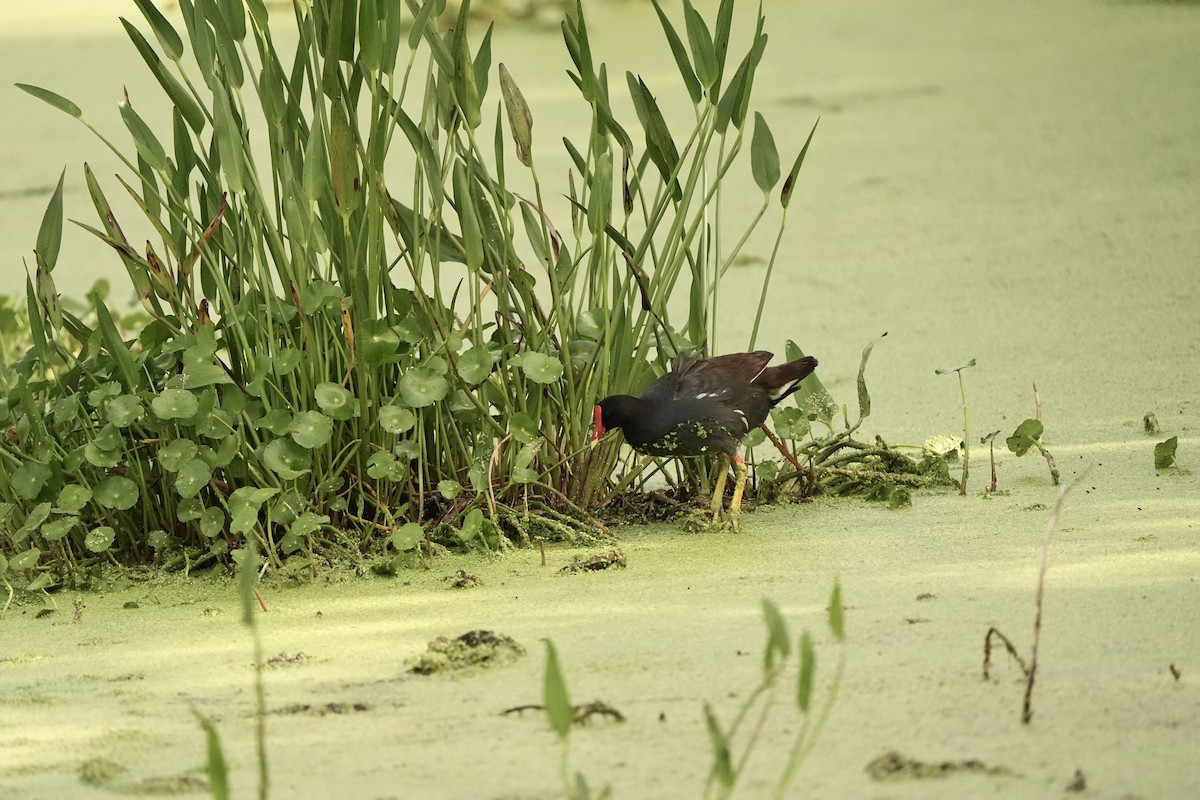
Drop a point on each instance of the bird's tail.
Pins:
(783, 380)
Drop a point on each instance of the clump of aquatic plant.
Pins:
(1028, 436)
(733, 745)
(820, 458)
(966, 447)
(338, 357)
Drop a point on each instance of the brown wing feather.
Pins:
(721, 373)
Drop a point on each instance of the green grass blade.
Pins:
(864, 397)
(681, 56)
(554, 694)
(218, 772)
(520, 120)
(700, 40)
(808, 667)
(764, 157)
(57, 100)
(778, 643)
(167, 36)
(837, 612)
(144, 140)
(722, 766)
(49, 238)
(789, 185)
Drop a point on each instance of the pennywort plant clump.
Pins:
(365, 337)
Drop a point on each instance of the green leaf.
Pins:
(722, 766)
(192, 477)
(24, 561)
(125, 410)
(116, 491)
(218, 774)
(28, 479)
(952, 370)
(176, 454)
(72, 498)
(554, 694)
(311, 429)
(316, 167)
(58, 101)
(520, 120)
(468, 217)
(99, 539)
(659, 144)
(167, 37)
(336, 401)
(175, 404)
(35, 518)
(158, 539)
(1164, 453)
(287, 459)
(789, 185)
(212, 522)
(422, 386)
(53, 531)
(245, 502)
(704, 55)
(228, 134)
(790, 422)
(449, 489)
(540, 368)
(837, 612)
(49, 237)
(1025, 436)
(475, 364)
(864, 398)
(523, 427)
(808, 666)
(144, 140)
(395, 419)
(764, 158)
(681, 56)
(406, 537)
(778, 644)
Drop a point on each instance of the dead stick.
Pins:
(1027, 711)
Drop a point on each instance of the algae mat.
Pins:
(1016, 183)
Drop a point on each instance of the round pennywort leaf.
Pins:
(336, 401)
(175, 404)
(286, 459)
(541, 368)
(116, 491)
(311, 429)
(395, 419)
(422, 386)
(99, 539)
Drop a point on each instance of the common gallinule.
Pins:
(702, 407)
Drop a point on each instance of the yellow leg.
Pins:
(735, 505)
(719, 488)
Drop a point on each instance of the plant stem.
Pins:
(1026, 707)
(962, 387)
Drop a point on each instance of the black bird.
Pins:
(702, 407)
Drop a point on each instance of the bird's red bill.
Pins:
(598, 428)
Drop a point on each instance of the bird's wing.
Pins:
(725, 376)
